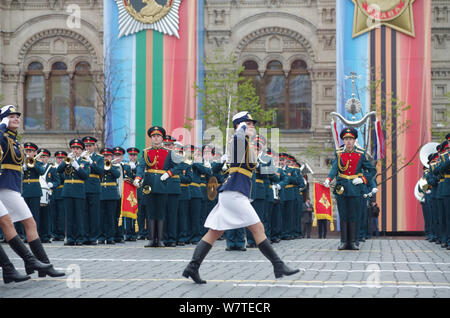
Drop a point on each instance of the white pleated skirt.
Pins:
(233, 211)
(15, 205)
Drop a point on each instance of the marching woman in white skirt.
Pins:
(11, 199)
(233, 209)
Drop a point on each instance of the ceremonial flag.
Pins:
(129, 205)
(323, 205)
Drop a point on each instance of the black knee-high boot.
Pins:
(344, 236)
(31, 262)
(38, 251)
(160, 233)
(279, 267)
(200, 252)
(151, 233)
(10, 274)
(352, 236)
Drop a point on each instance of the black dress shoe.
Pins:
(180, 243)
(110, 242)
(240, 248)
(69, 244)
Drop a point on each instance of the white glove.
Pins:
(165, 176)
(428, 192)
(242, 125)
(207, 164)
(278, 187)
(357, 181)
(50, 185)
(24, 166)
(326, 183)
(224, 166)
(136, 183)
(5, 121)
(89, 160)
(374, 190)
(132, 165)
(224, 158)
(75, 164)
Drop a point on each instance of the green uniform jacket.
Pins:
(74, 180)
(185, 180)
(31, 188)
(96, 170)
(109, 186)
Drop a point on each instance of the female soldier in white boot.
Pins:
(233, 209)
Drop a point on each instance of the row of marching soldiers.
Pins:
(436, 195)
(78, 197)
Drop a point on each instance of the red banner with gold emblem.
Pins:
(323, 205)
(129, 205)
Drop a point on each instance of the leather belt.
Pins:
(350, 177)
(73, 181)
(7, 166)
(155, 171)
(195, 184)
(241, 171)
(108, 184)
(30, 180)
(289, 186)
(94, 176)
(259, 180)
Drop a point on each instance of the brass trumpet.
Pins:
(31, 162)
(107, 165)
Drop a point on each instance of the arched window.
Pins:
(61, 102)
(60, 98)
(251, 72)
(299, 96)
(275, 93)
(290, 97)
(35, 98)
(84, 107)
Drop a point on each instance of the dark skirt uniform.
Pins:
(31, 187)
(92, 210)
(109, 198)
(153, 164)
(74, 195)
(346, 167)
(59, 229)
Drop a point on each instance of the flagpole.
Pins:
(226, 129)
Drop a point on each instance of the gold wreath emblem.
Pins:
(151, 12)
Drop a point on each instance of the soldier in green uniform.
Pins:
(49, 181)
(185, 196)
(444, 168)
(75, 175)
(156, 165)
(60, 212)
(433, 182)
(31, 187)
(351, 168)
(299, 183)
(173, 197)
(118, 153)
(131, 234)
(109, 197)
(91, 213)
